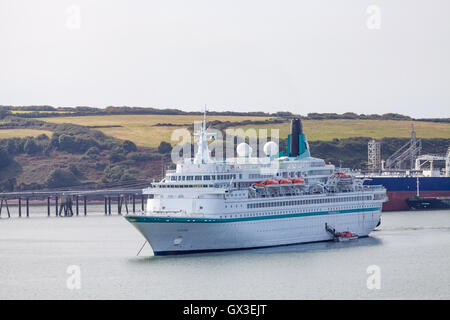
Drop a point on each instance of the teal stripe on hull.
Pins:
(144, 219)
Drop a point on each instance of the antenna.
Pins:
(204, 119)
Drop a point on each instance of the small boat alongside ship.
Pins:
(341, 236)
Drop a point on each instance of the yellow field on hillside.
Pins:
(326, 130)
(22, 133)
(140, 129)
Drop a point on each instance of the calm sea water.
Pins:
(412, 251)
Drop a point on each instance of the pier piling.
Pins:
(66, 200)
(6, 205)
(66, 207)
(127, 199)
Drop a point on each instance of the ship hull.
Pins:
(181, 235)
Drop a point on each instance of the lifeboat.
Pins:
(259, 184)
(285, 181)
(298, 180)
(345, 236)
(341, 175)
(271, 182)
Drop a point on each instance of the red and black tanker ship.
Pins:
(400, 189)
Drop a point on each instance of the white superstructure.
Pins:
(209, 205)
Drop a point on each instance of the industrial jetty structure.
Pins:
(244, 202)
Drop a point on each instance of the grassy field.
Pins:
(22, 133)
(141, 130)
(327, 130)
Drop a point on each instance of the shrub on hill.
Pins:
(119, 173)
(129, 146)
(67, 143)
(164, 147)
(61, 178)
(31, 147)
(117, 154)
(5, 158)
(74, 169)
(92, 153)
(8, 185)
(4, 113)
(140, 156)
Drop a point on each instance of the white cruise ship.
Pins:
(243, 202)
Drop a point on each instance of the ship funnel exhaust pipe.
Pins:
(297, 145)
(296, 131)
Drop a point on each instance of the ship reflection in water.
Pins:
(371, 240)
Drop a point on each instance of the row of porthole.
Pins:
(263, 221)
(261, 214)
(294, 211)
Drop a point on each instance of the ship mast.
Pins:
(202, 155)
(417, 187)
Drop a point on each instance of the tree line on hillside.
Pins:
(50, 111)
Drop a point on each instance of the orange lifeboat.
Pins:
(346, 234)
(341, 175)
(271, 182)
(259, 184)
(285, 181)
(298, 180)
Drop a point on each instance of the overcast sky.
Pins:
(245, 55)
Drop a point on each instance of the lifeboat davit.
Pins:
(298, 180)
(285, 181)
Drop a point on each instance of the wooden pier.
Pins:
(70, 203)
